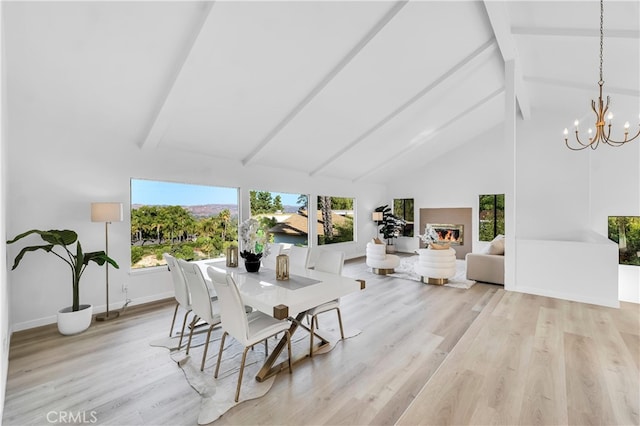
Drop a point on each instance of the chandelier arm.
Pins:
(626, 139)
(582, 145)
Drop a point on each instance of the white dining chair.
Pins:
(246, 329)
(201, 303)
(333, 263)
(269, 261)
(298, 258)
(181, 293)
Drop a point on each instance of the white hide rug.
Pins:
(406, 270)
(218, 395)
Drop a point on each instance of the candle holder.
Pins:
(232, 257)
(282, 267)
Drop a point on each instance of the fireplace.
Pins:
(449, 233)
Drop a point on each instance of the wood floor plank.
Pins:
(544, 401)
(426, 355)
(587, 399)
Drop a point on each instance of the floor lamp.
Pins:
(107, 213)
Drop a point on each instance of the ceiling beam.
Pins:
(575, 32)
(326, 80)
(417, 142)
(476, 55)
(160, 119)
(581, 86)
(501, 25)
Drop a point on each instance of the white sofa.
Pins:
(436, 266)
(487, 267)
(379, 261)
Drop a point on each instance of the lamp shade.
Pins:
(106, 212)
(377, 216)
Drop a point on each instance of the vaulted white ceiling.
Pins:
(354, 90)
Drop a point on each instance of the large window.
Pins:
(284, 215)
(625, 230)
(335, 219)
(491, 216)
(189, 221)
(403, 208)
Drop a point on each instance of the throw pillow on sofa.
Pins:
(496, 246)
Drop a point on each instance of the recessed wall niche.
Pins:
(453, 216)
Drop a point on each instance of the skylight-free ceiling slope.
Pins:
(354, 90)
(398, 63)
(253, 63)
(558, 43)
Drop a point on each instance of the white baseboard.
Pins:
(96, 310)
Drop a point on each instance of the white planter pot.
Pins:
(391, 248)
(70, 322)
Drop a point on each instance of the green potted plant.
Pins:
(390, 226)
(76, 318)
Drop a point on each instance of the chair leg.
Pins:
(206, 347)
(266, 347)
(193, 322)
(173, 321)
(340, 322)
(224, 336)
(244, 357)
(182, 332)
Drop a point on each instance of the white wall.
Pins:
(477, 170)
(53, 178)
(615, 191)
(562, 197)
(5, 333)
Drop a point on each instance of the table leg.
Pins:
(268, 369)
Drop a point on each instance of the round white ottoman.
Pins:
(436, 266)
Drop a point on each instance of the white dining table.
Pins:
(290, 299)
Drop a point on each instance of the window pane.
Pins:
(283, 215)
(491, 215)
(335, 219)
(403, 208)
(188, 221)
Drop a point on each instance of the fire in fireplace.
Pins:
(449, 233)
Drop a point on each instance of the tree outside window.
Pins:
(491, 215)
(335, 219)
(191, 222)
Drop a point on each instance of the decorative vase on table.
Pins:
(252, 265)
(254, 242)
(251, 261)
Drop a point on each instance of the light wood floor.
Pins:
(426, 355)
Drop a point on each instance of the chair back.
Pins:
(270, 261)
(200, 297)
(183, 297)
(232, 310)
(330, 261)
(298, 258)
(376, 251)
